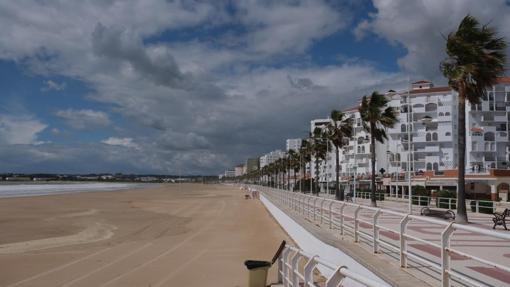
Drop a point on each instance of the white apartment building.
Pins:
(424, 140)
(271, 157)
(293, 144)
(239, 170)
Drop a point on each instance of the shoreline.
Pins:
(45, 189)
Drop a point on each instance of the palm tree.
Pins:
(306, 156)
(376, 117)
(319, 143)
(338, 131)
(295, 165)
(476, 57)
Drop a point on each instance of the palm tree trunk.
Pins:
(372, 151)
(461, 144)
(338, 194)
(301, 180)
(288, 177)
(316, 182)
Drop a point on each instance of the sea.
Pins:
(33, 189)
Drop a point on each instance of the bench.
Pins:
(500, 217)
(446, 214)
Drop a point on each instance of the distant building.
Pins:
(252, 164)
(270, 157)
(239, 170)
(293, 144)
(18, 178)
(230, 173)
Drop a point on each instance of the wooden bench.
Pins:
(446, 214)
(500, 217)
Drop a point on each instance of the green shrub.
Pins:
(445, 194)
(483, 206)
(420, 191)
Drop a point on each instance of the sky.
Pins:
(195, 87)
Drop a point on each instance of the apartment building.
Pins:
(424, 143)
(270, 157)
(293, 144)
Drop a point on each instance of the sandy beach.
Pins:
(169, 235)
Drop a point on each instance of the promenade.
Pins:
(170, 235)
(423, 255)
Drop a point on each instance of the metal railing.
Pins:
(345, 218)
(475, 205)
(292, 273)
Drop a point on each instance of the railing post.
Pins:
(449, 203)
(322, 209)
(294, 278)
(331, 215)
(445, 254)
(356, 223)
(303, 204)
(376, 230)
(308, 271)
(342, 218)
(314, 208)
(477, 206)
(283, 270)
(309, 206)
(403, 241)
(336, 278)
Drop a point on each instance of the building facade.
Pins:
(293, 144)
(423, 143)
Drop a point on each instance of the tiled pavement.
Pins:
(482, 246)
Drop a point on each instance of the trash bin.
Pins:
(258, 272)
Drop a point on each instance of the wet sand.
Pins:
(170, 235)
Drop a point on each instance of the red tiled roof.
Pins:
(431, 90)
(476, 129)
(422, 82)
(352, 109)
(504, 80)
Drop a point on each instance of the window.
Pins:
(428, 137)
(430, 107)
(448, 134)
(436, 166)
(434, 136)
(397, 157)
(429, 166)
(447, 114)
(441, 114)
(488, 136)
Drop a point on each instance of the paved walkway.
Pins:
(482, 246)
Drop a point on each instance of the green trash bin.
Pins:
(257, 272)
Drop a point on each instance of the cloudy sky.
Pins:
(198, 86)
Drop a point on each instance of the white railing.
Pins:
(290, 273)
(475, 205)
(337, 215)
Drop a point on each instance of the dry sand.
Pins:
(171, 235)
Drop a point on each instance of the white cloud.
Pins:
(50, 85)
(199, 105)
(20, 129)
(420, 26)
(125, 142)
(84, 119)
(288, 26)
